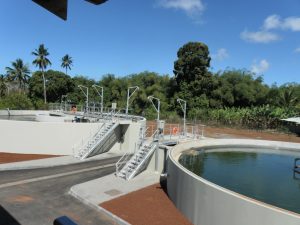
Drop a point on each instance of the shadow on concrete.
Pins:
(163, 184)
(6, 218)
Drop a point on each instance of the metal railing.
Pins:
(84, 141)
(122, 161)
(176, 131)
(84, 148)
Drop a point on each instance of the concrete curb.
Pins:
(115, 218)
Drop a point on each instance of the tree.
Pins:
(192, 63)
(19, 72)
(16, 101)
(58, 84)
(67, 62)
(287, 97)
(42, 62)
(3, 85)
(194, 81)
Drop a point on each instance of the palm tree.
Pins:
(42, 62)
(3, 85)
(19, 72)
(287, 97)
(67, 62)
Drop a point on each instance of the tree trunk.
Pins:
(45, 94)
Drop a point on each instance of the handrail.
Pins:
(96, 143)
(150, 146)
(121, 161)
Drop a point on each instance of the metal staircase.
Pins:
(85, 148)
(138, 161)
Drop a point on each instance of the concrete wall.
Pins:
(42, 138)
(205, 203)
(57, 138)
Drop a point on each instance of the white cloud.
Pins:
(272, 22)
(275, 22)
(189, 6)
(261, 67)
(259, 36)
(291, 23)
(297, 50)
(221, 54)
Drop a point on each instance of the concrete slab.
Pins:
(110, 187)
(106, 188)
(56, 161)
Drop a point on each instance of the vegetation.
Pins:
(42, 62)
(67, 62)
(3, 85)
(19, 73)
(231, 97)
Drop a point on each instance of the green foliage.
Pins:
(19, 72)
(238, 88)
(58, 84)
(192, 63)
(262, 117)
(42, 62)
(16, 101)
(67, 62)
(3, 85)
(231, 97)
(41, 59)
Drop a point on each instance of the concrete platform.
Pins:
(109, 187)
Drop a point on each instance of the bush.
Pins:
(262, 117)
(16, 101)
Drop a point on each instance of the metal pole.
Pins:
(129, 96)
(86, 95)
(87, 100)
(101, 100)
(127, 101)
(183, 107)
(100, 94)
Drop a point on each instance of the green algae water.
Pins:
(266, 177)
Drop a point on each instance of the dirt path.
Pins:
(148, 206)
(224, 132)
(14, 157)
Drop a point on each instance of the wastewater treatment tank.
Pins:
(234, 182)
(254, 172)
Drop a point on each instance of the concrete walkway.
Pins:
(109, 187)
(56, 161)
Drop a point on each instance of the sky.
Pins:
(125, 37)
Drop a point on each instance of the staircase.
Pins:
(86, 148)
(138, 161)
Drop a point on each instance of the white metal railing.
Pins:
(138, 159)
(150, 148)
(86, 147)
(122, 161)
(176, 131)
(84, 141)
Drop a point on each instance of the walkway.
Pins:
(35, 197)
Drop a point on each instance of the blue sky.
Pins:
(125, 37)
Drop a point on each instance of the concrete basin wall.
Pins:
(58, 138)
(42, 138)
(205, 203)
